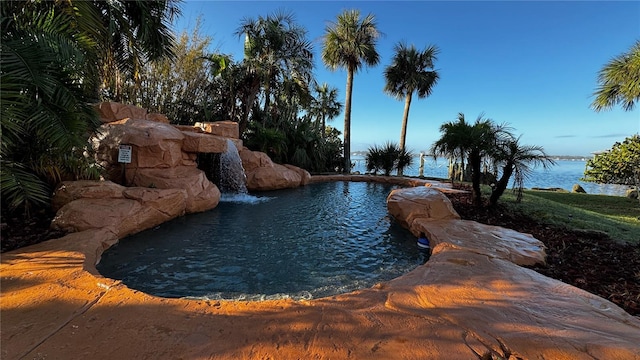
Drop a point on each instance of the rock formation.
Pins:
(263, 174)
(87, 205)
(165, 156)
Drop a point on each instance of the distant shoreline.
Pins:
(554, 157)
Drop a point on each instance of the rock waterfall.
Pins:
(232, 175)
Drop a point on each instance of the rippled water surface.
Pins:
(314, 241)
(564, 174)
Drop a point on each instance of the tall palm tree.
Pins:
(619, 81)
(324, 106)
(517, 160)
(276, 49)
(350, 43)
(410, 71)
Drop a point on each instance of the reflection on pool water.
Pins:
(314, 241)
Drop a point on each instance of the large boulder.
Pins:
(252, 160)
(272, 178)
(263, 174)
(202, 194)
(425, 210)
(153, 145)
(408, 204)
(112, 111)
(137, 209)
(85, 189)
(577, 188)
(195, 142)
(228, 129)
(477, 238)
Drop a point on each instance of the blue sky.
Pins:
(532, 65)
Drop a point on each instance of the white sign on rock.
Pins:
(124, 154)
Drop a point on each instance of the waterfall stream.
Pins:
(232, 176)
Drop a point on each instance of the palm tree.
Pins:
(476, 141)
(276, 49)
(410, 71)
(131, 34)
(452, 144)
(387, 158)
(619, 81)
(324, 106)
(350, 43)
(516, 160)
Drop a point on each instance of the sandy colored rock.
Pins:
(252, 160)
(137, 210)
(153, 145)
(426, 210)
(305, 177)
(272, 178)
(263, 174)
(113, 111)
(202, 194)
(85, 189)
(228, 129)
(492, 241)
(203, 143)
(408, 204)
(508, 310)
(157, 118)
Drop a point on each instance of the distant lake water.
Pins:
(563, 175)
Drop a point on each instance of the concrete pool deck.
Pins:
(462, 304)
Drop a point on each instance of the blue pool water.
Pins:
(309, 242)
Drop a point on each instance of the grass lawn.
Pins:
(617, 216)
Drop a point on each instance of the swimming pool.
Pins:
(309, 242)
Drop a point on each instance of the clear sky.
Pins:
(532, 65)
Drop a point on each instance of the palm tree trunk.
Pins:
(347, 121)
(405, 120)
(475, 161)
(267, 96)
(462, 165)
(501, 185)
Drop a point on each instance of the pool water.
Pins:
(310, 242)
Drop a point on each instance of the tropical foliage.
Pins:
(387, 158)
(517, 160)
(410, 71)
(350, 43)
(618, 165)
(324, 106)
(619, 81)
(179, 87)
(485, 142)
(276, 50)
(52, 56)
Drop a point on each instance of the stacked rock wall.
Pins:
(165, 156)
